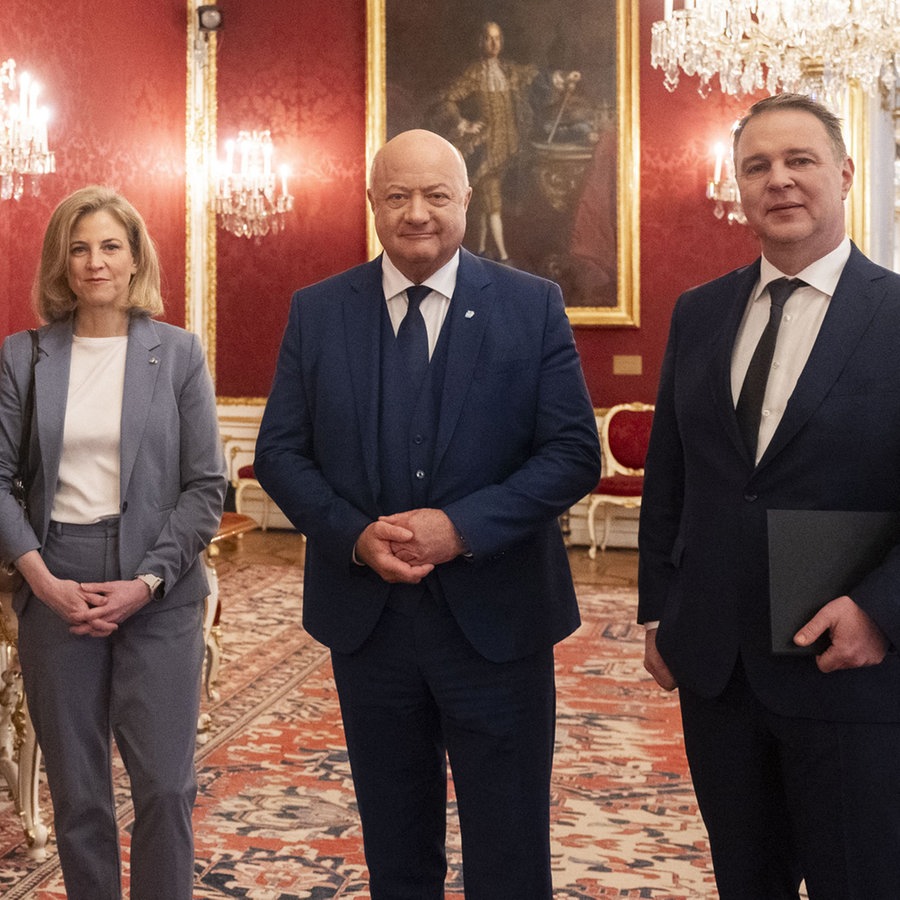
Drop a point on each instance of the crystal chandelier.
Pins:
(801, 46)
(23, 133)
(251, 201)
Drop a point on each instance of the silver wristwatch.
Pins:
(154, 582)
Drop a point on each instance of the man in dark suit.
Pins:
(794, 758)
(429, 492)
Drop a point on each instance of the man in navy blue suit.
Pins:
(427, 425)
(793, 758)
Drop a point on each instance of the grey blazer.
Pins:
(173, 475)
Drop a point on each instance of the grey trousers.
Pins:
(140, 685)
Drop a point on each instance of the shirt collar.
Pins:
(823, 274)
(395, 282)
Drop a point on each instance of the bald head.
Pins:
(419, 144)
(419, 191)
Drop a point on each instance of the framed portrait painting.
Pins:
(542, 101)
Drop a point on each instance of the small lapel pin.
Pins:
(470, 313)
(153, 361)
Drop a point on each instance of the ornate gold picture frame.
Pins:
(564, 202)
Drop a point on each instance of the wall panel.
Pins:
(296, 67)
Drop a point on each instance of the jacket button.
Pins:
(420, 474)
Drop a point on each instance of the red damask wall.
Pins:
(115, 81)
(297, 67)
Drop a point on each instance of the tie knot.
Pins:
(782, 288)
(416, 293)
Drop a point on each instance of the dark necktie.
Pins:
(412, 336)
(750, 402)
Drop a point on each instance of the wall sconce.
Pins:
(209, 18)
(23, 133)
(251, 201)
(722, 188)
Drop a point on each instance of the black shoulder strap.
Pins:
(28, 414)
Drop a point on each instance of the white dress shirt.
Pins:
(433, 307)
(803, 314)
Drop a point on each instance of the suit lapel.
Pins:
(362, 310)
(142, 365)
(468, 317)
(856, 300)
(720, 370)
(51, 391)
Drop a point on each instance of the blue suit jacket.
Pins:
(703, 532)
(173, 476)
(516, 446)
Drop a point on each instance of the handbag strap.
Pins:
(28, 416)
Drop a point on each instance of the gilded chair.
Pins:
(624, 435)
(232, 526)
(20, 755)
(246, 481)
(239, 456)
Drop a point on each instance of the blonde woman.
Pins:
(127, 489)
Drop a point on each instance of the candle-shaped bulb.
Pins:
(720, 156)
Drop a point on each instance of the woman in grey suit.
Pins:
(127, 489)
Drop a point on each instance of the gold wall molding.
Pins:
(200, 221)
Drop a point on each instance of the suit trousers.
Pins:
(417, 693)
(785, 798)
(141, 685)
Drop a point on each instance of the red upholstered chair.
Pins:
(246, 481)
(239, 455)
(624, 435)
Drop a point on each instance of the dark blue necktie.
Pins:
(753, 391)
(412, 336)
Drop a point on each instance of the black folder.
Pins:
(815, 556)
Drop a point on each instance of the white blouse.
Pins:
(88, 489)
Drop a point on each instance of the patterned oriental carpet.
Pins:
(275, 817)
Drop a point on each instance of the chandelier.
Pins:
(722, 188)
(251, 200)
(23, 133)
(800, 46)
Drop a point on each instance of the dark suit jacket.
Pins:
(516, 446)
(703, 533)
